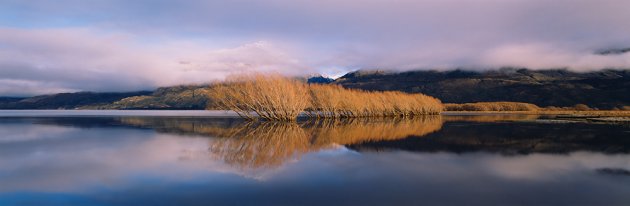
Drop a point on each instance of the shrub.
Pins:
(336, 101)
(272, 97)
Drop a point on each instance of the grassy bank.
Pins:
(567, 113)
(579, 110)
(492, 106)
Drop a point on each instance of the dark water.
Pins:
(444, 160)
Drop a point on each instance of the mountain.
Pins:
(183, 97)
(613, 51)
(65, 100)
(319, 80)
(6, 100)
(186, 97)
(603, 89)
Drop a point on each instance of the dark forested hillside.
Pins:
(175, 97)
(65, 100)
(603, 89)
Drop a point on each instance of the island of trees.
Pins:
(278, 98)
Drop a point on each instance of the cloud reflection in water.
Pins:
(122, 160)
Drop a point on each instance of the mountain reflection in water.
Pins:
(267, 145)
(252, 146)
(435, 160)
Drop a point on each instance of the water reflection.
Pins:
(513, 138)
(354, 131)
(491, 117)
(496, 160)
(252, 147)
(259, 145)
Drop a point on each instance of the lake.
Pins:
(213, 158)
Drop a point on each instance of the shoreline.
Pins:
(228, 113)
(563, 114)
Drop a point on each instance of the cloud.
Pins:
(544, 56)
(68, 60)
(125, 45)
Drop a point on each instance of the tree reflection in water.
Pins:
(260, 145)
(256, 145)
(268, 145)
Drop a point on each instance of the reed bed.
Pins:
(531, 109)
(492, 106)
(491, 118)
(274, 97)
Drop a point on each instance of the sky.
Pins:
(121, 45)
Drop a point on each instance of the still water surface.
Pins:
(109, 158)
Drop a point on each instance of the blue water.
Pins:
(184, 158)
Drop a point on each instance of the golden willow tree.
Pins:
(274, 97)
